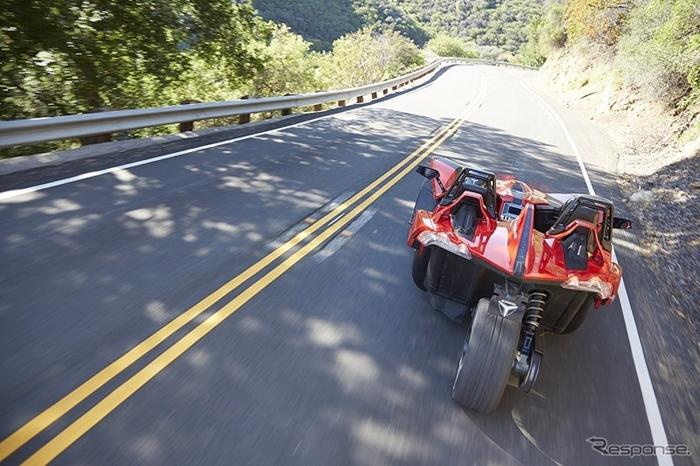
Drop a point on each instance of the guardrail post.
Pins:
(385, 91)
(96, 138)
(393, 88)
(286, 111)
(341, 103)
(360, 99)
(185, 126)
(374, 95)
(318, 107)
(244, 118)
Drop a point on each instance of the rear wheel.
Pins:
(579, 319)
(486, 359)
(424, 201)
(420, 266)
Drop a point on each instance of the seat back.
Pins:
(482, 183)
(591, 209)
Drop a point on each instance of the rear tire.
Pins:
(577, 321)
(424, 201)
(486, 359)
(420, 266)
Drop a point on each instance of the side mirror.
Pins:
(431, 174)
(427, 172)
(622, 223)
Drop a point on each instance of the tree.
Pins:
(365, 57)
(383, 15)
(67, 56)
(545, 34)
(291, 66)
(659, 50)
(446, 46)
(596, 20)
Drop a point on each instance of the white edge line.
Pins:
(651, 405)
(84, 176)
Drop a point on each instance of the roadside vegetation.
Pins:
(60, 57)
(68, 56)
(443, 45)
(654, 44)
(490, 24)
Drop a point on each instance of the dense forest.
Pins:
(496, 23)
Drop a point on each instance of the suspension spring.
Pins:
(535, 307)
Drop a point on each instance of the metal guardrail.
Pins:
(37, 130)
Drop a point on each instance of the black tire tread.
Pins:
(486, 367)
(419, 268)
(577, 321)
(424, 201)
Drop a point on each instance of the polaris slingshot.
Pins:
(512, 263)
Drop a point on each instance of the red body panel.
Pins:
(496, 242)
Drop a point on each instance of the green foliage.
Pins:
(366, 56)
(500, 23)
(598, 21)
(383, 15)
(531, 51)
(291, 67)
(446, 46)
(68, 56)
(545, 34)
(318, 21)
(656, 43)
(660, 49)
(495, 23)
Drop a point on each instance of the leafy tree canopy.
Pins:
(66, 56)
(446, 46)
(367, 56)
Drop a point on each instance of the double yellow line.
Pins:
(85, 422)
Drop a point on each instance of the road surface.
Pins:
(327, 354)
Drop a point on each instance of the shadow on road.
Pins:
(340, 361)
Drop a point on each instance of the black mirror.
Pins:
(427, 172)
(431, 174)
(622, 223)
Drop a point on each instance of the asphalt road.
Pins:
(339, 360)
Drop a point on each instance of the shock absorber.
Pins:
(536, 302)
(529, 360)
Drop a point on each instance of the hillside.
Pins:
(500, 23)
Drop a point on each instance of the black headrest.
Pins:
(586, 208)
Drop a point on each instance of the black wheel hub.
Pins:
(527, 381)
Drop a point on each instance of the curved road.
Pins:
(326, 355)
